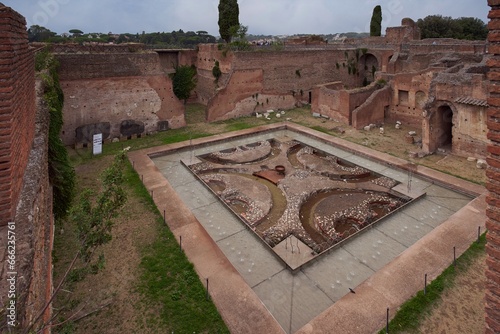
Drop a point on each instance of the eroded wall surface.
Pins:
(280, 78)
(116, 88)
(453, 80)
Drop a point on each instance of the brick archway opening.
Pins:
(443, 124)
(369, 65)
(437, 128)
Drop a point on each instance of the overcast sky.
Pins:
(269, 17)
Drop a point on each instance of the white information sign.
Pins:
(97, 147)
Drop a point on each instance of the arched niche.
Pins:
(369, 65)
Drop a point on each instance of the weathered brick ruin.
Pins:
(17, 110)
(493, 173)
(437, 85)
(122, 92)
(25, 192)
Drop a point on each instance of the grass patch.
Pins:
(445, 171)
(239, 126)
(183, 135)
(320, 129)
(409, 315)
(241, 123)
(83, 155)
(168, 281)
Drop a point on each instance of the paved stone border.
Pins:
(363, 312)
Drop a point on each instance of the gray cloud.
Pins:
(261, 16)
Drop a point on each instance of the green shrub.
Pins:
(216, 72)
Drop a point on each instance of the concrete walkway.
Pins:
(251, 286)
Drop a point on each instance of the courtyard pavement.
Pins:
(252, 287)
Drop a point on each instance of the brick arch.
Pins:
(389, 59)
(369, 63)
(438, 126)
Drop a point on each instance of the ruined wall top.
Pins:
(408, 31)
(89, 48)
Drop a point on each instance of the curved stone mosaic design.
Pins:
(282, 188)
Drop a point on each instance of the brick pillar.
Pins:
(493, 174)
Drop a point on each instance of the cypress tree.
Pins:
(376, 22)
(228, 17)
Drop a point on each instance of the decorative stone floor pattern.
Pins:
(294, 299)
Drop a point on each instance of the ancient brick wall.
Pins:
(286, 76)
(107, 65)
(299, 70)
(446, 45)
(92, 47)
(207, 86)
(188, 57)
(331, 100)
(407, 32)
(421, 56)
(169, 60)
(34, 226)
(410, 93)
(116, 89)
(334, 101)
(372, 110)
(17, 108)
(26, 194)
(469, 133)
(245, 94)
(493, 174)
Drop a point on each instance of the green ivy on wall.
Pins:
(61, 173)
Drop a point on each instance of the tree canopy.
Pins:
(376, 22)
(228, 17)
(76, 31)
(174, 39)
(183, 81)
(38, 33)
(437, 26)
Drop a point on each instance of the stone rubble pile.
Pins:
(385, 182)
